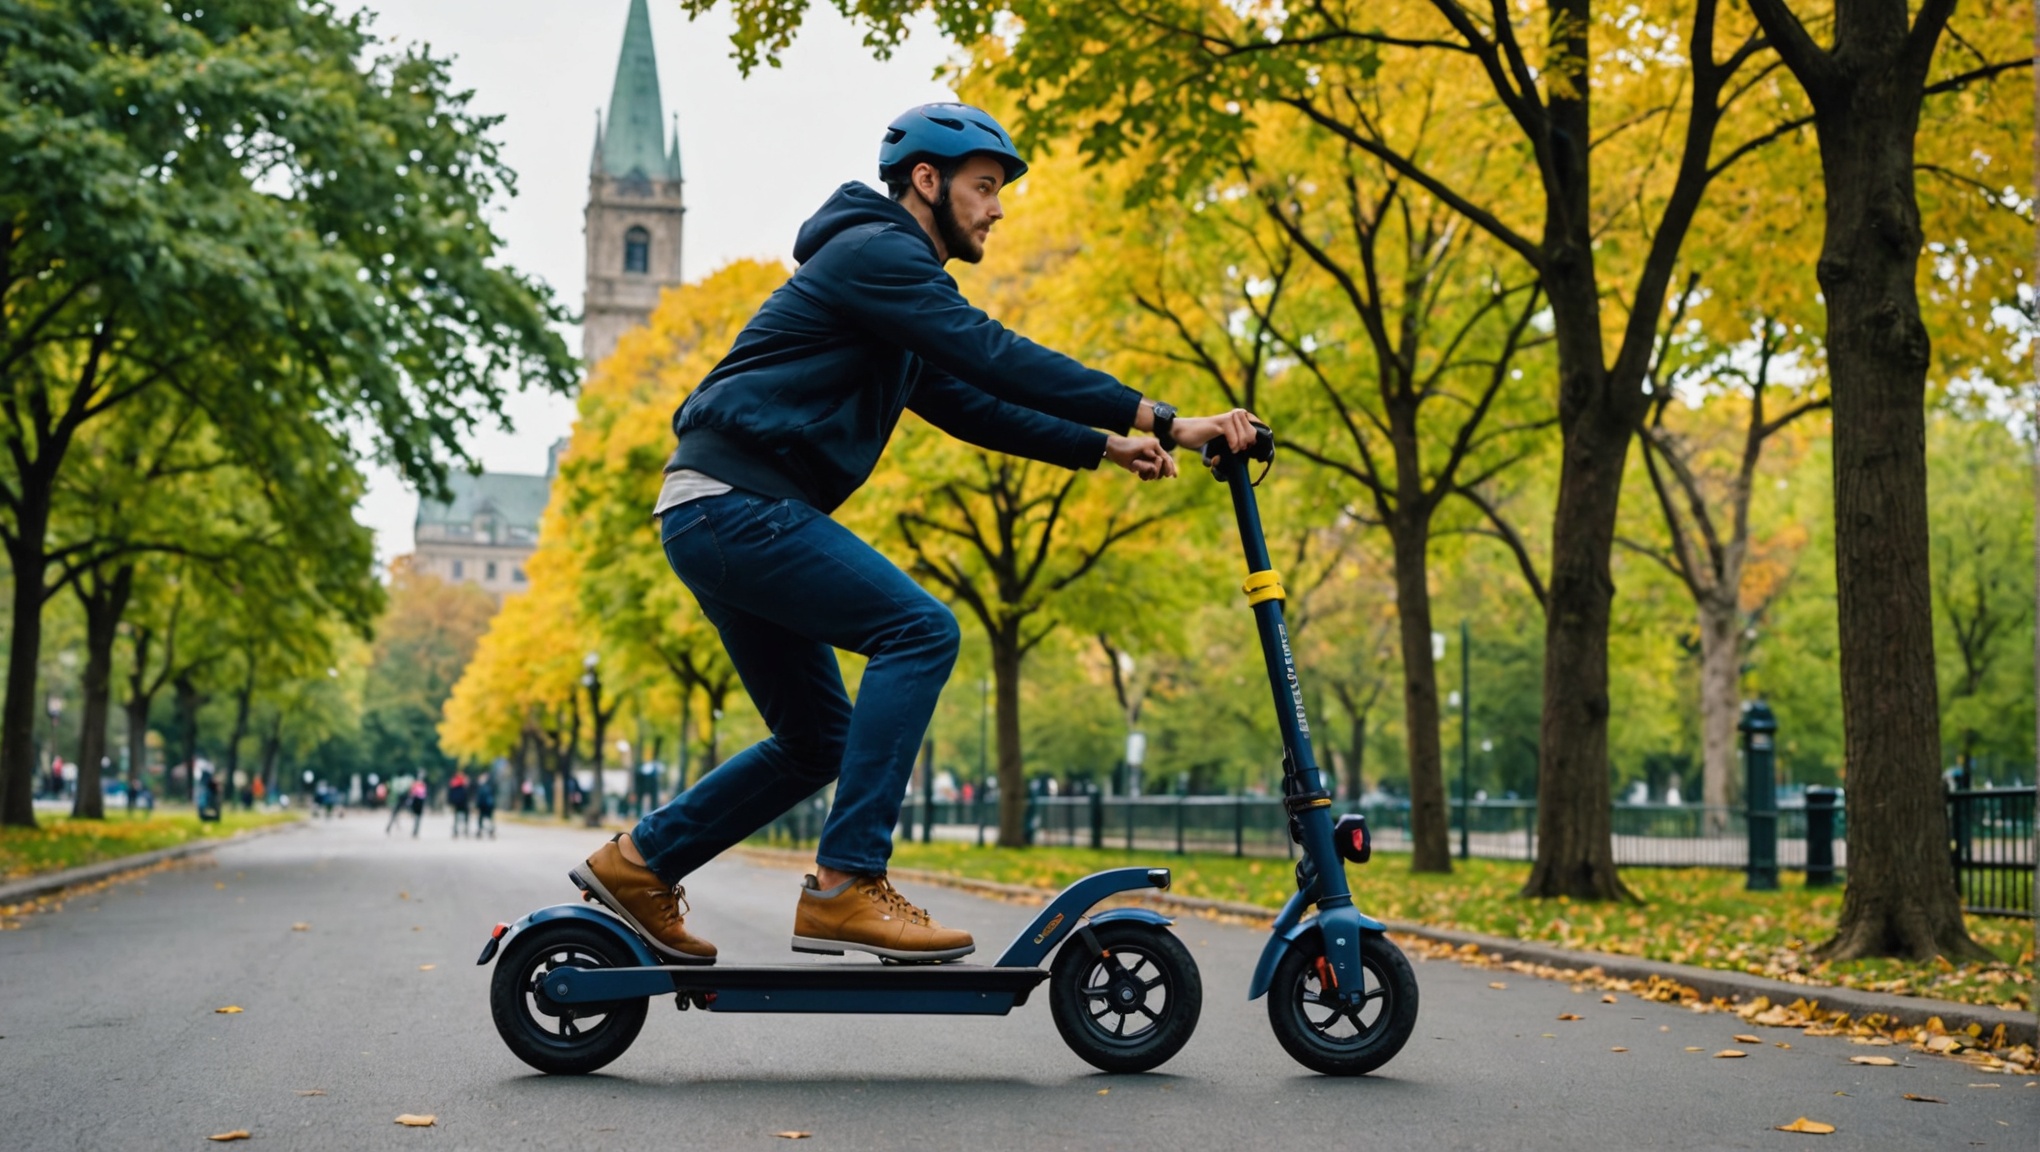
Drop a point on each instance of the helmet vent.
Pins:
(895, 135)
(946, 122)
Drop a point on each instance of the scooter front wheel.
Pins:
(1337, 1037)
(561, 1039)
(1129, 1004)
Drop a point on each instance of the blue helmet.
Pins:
(947, 132)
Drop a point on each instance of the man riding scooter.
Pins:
(779, 434)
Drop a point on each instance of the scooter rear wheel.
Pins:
(561, 1039)
(1132, 1004)
(1339, 1039)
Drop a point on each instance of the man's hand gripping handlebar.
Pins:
(1237, 431)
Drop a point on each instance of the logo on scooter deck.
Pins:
(1289, 669)
(1050, 930)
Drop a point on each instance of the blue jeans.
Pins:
(786, 586)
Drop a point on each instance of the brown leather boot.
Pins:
(656, 909)
(867, 914)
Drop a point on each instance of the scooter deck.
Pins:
(912, 989)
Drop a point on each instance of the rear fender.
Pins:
(1060, 918)
(592, 915)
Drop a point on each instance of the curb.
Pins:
(17, 891)
(1711, 983)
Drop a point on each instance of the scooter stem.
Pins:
(1303, 786)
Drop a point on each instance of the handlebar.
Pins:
(1219, 456)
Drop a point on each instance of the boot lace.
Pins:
(887, 896)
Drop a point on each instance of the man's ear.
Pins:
(928, 181)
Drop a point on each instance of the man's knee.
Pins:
(939, 635)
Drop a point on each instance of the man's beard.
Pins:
(958, 240)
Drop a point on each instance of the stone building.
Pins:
(632, 221)
(487, 532)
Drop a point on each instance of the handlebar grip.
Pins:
(1218, 454)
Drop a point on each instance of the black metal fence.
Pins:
(1991, 833)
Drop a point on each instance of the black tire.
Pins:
(562, 1039)
(1334, 1040)
(1132, 1008)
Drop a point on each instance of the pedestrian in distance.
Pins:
(419, 794)
(457, 799)
(485, 807)
(780, 433)
(400, 802)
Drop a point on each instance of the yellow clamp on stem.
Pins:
(1263, 585)
(1320, 802)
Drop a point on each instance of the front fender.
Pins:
(591, 914)
(1290, 927)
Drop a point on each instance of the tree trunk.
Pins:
(24, 646)
(188, 702)
(596, 802)
(104, 605)
(272, 748)
(244, 698)
(140, 694)
(1901, 898)
(1575, 852)
(1429, 820)
(1356, 756)
(1720, 708)
(1006, 660)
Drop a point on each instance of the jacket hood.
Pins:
(853, 205)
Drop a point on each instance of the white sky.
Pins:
(760, 154)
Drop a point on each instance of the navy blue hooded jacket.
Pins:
(869, 326)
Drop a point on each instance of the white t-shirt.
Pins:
(686, 484)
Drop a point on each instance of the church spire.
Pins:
(631, 143)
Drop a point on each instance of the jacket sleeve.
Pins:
(890, 285)
(979, 418)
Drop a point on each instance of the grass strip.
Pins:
(1699, 916)
(59, 843)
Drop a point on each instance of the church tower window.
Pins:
(637, 251)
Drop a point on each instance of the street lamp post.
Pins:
(1465, 745)
(984, 744)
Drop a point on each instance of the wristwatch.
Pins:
(1165, 425)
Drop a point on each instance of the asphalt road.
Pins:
(109, 1038)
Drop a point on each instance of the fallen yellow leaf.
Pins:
(1569, 1016)
(793, 1135)
(301, 926)
(229, 1010)
(1747, 1039)
(411, 1120)
(1925, 1099)
(427, 967)
(1874, 1061)
(236, 1134)
(1804, 1125)
(1618, 1049)
(1730, 1054)
(1497, 985)
(1104, 1091)
(1780, 1044)
(222, 884)
(1608, 999)
(1693, 1049)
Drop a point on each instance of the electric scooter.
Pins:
(1341, 996)
(574, 983)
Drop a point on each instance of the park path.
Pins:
(109, 1038)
